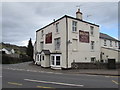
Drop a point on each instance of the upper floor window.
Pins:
(92, 45)
(105, 43)
(91, 30)
(57, 44)
(74, 26)
(57, 27)
(42, 33)
(110, 43)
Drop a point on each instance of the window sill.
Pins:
(75, 32)
(57, 50)
(56, 66)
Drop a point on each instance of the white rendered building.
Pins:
(65, 41)
(109, 48)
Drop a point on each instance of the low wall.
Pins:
(76, 65)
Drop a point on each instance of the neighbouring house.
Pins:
(109, 48)
(8, 50)
(68, 39)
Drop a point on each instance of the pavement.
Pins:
(29, 66)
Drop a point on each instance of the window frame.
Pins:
(43, 58)
(110, 43)
(55, 61)
(94, 59)
(91, 30)
(92, 45)
(74, 26)
(57, 43)
(52, 60)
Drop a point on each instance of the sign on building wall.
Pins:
(83, 36)
(48, 38)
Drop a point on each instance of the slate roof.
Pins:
(105, 36)
(9, 49)
(67, 17)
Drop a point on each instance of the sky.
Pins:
(21, 20)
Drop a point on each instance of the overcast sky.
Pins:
(21, 20)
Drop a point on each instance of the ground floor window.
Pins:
(52, 59)
(38, 57)
(41, 57)
(55, 60)
(93, 59)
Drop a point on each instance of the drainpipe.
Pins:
(66, 42)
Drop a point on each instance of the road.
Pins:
(14, 78)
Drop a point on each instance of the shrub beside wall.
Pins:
(7, 59)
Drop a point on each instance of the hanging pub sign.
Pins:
(48, 38)
(83, 36)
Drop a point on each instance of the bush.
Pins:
(12, 60)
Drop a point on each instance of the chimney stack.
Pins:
(79, 14)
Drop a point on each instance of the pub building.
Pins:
(65, 41)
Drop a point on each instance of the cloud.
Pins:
(20, 20)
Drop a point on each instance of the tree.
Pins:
(30, 49)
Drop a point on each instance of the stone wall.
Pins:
(76, 65)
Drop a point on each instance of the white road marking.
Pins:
(0, 76)
(67, 84)
(115, 82)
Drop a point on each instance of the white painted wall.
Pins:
(108, 44)
(111, 53)
(51, 47)
(84, 52)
